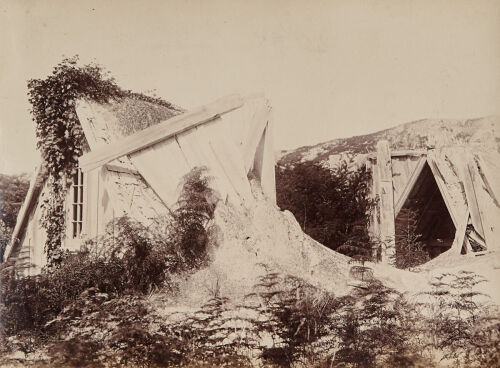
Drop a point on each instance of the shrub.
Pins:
(373, 329)
(97, 330)
(140, 255)
(123, 332)
(410, 250)
(462, 326)
(191, 234)
(214, 337)
(296, 315)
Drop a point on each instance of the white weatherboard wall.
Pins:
(28, 247)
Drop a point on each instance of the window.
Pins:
(77, 203)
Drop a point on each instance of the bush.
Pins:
(101, 331)
(190, 232)
(374, 328)
(213, 336)
(463, 327)
(295, 314)
(410, 251)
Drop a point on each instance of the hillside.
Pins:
(421, 134)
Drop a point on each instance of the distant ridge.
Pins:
(421, 134)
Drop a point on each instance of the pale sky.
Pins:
(330, 68)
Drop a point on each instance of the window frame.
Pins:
(76, 210)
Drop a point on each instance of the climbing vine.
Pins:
(59, 134)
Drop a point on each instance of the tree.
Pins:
(331, 205)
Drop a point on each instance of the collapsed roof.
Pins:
(231, 137)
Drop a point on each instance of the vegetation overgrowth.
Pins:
(410, 250)
(95, 308)
(283, 322)
(103, 307)
(130, 259)
(59, 134)
(334, 207)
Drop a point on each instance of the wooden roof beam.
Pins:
(409, 186)
(442, 188)
(373, 155)
(156, 133)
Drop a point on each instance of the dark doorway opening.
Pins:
(426, 213)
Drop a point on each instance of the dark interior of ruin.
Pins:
(426, 214)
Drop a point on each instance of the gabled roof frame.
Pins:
(159, 132)
(409, 186)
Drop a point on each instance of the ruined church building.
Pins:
(139, 153)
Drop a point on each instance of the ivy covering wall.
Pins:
(60, 137)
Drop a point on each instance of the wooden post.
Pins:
(386, 198)
(374, 228)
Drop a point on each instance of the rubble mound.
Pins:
(257, 239)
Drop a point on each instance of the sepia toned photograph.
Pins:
(250, 184)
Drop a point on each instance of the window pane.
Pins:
(77, 207)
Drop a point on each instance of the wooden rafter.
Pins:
(470, 193)
(442, 188)
(259, 122)
(373, 155)
(460, 233)
(411, 183)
